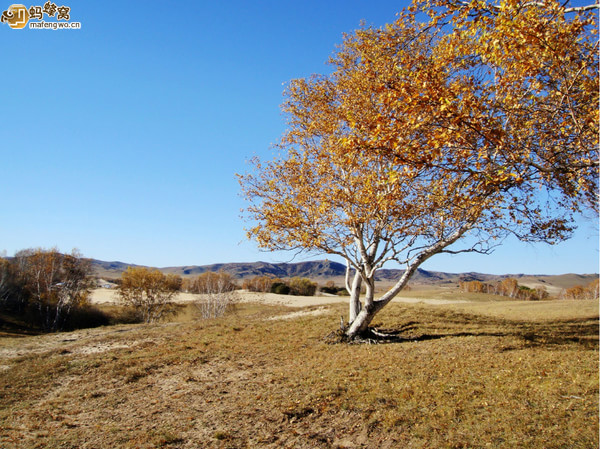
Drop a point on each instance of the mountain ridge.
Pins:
(323, 270)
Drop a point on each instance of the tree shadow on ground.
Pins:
(12, 328)
(582, 332)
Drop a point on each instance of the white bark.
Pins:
(217, 297)
(355, 305)
(361, 323)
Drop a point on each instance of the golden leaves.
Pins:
(454, 118)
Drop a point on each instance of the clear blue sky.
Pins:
(122, 138)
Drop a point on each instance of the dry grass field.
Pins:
(479, 374)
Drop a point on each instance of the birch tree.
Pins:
(51, 283)
(218, 293)
(149, 292)
(430, 138)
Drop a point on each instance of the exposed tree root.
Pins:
(371, 336)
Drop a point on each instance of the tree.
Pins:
(209, 281)
(591, 291)
(280, 288)
(51, 283)
(218, 293)
(260, 283)
(302, 287)
(149, 292)
(5, 280)
(509, 287)
(426, 140)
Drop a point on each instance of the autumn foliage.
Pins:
(149, 292)
(216, 292)
(302, 286)
(46, 286)
(590, 291)
(508, 287)
(209, 281)
(260, 283)
(437, 136)
(294, 286)
(531, 74)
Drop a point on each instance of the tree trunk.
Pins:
(355, 305)
(361, 323)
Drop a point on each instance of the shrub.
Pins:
(260, 284)
(329, 290)
(280, 288)
(302, 287)
(149, 292)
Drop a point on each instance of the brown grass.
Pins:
(462, 379)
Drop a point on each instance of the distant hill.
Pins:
(323, 270)
(318, 269)
(109, 269)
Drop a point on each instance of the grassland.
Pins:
(483, 374)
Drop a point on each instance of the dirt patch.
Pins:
(86, 341)
(109, 296)
(429, 301)
(103, 347)
(300, 313)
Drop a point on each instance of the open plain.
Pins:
(470, 374)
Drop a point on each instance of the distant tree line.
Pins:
(590, 291)
(295, 286)
(511, 288)
(507, 287)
